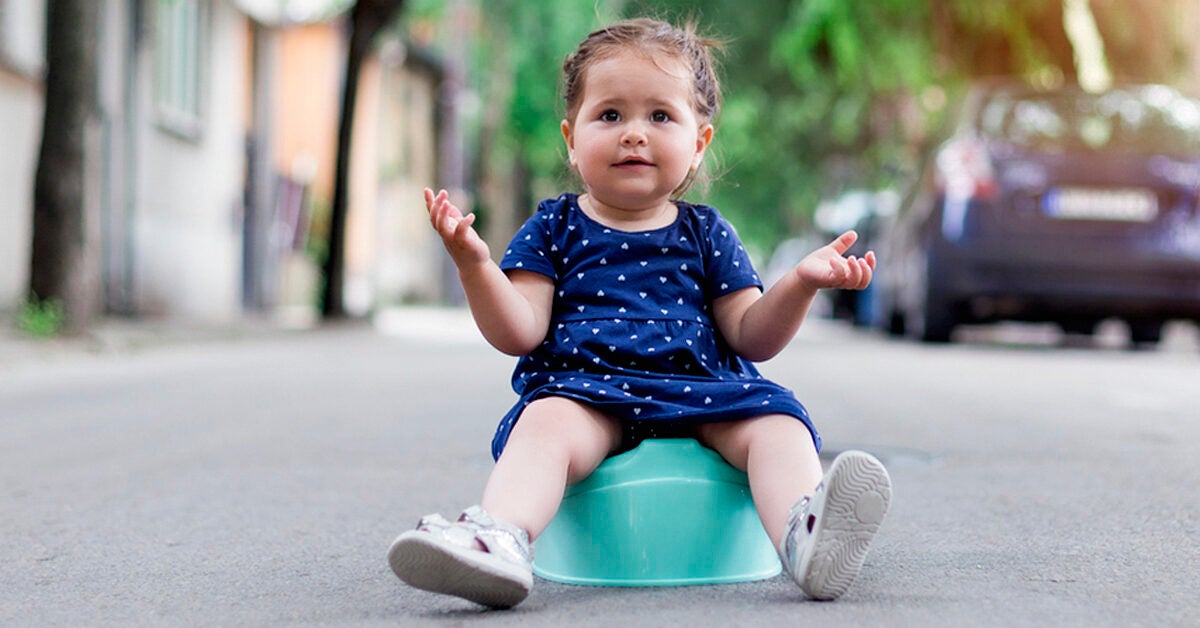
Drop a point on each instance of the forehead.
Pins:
(637, 72)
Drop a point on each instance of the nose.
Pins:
(633, 135)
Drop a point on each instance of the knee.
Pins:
(776, 430)
(561, 424)
(734, 440)
(571, 434)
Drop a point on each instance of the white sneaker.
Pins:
(828, 535)
(444, 557)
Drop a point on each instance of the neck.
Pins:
(629, 219)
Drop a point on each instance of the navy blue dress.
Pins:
(632, 333)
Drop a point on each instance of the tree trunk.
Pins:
(367, 18)
(1142, 41)
(58, 268)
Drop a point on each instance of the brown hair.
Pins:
(648, 36)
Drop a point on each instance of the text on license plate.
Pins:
(1124, 205)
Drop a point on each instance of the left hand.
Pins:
(463, 243)
(827, 268)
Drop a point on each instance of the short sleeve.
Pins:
(530, 247)
(728, 266)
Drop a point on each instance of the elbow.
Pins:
(759, 355)
(513, 350)
(754, 352)
(516, 347)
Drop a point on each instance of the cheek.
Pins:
(589, 148)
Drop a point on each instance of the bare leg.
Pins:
(555, 443)
(777, 453)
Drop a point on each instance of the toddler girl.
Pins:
(637, 315)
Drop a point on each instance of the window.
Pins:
(180, 47)
(22, 35)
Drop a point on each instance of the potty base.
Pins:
(670, 512)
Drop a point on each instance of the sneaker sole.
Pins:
(856, 498)
(431, 564)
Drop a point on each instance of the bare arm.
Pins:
(758, 326)
(511, 311)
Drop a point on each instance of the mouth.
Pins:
(633, 161)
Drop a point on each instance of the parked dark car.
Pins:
(1052, 205)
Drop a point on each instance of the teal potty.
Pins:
(670, 512)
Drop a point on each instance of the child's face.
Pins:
(636, 135)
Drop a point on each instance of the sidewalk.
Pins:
(122, 336)
(119, 335)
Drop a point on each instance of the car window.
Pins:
(1144, 119)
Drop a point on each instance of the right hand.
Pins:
(826, 268)
(461, 240)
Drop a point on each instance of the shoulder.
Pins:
(551, 215)
(555, 207)
(696, 211)
(704, 218)
(548, 218)
(706, 215)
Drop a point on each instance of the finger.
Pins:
(870, 258)
(853, 272)
(452, 210)
(429, 206)
(866, 272)
(842, 243)
(437, 212)
(837, 272)
(433, 199)
(464, 226)
(444, 219)
(434, 203)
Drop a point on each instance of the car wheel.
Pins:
(1145, 333)
(935, 322)
(888, 317)
(894, 323)
(933, 319)
(1079, 326)
(1078, 332)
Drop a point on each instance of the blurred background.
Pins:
(206, 161)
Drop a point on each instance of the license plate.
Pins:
(1120, 205)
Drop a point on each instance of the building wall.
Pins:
(170, 198)
(408, 265)
(187, 224)
(392, 255)
(21, 97)
(20, 126)
(311, 60)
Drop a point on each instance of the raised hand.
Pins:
(828, 268)
(461, 240)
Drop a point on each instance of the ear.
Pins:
(703, 139)
(569, 138)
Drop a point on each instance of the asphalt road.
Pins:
(258, 480)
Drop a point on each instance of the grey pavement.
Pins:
(255, 476)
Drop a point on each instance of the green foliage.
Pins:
(538, 35)
(42, 318)
(819, 94)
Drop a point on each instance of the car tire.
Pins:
(893, 325)
(1079, 326)
(936, 322)
(1145, 334)
(889, 318)
(933, 320)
